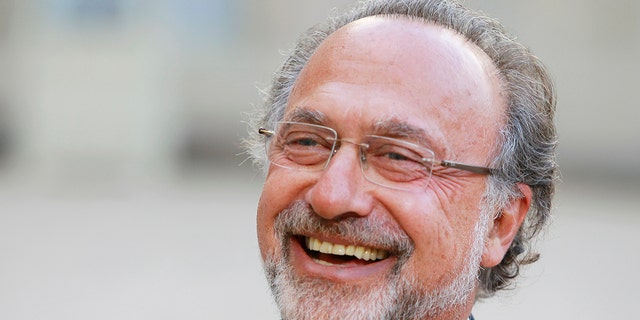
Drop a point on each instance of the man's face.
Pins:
(429, 242)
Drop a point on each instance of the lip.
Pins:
(306, 266)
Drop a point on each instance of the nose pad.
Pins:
(363, 158)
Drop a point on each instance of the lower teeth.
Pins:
(324, 263)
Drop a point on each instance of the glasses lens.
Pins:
(301, 146)
(385, 161)
(397, 164)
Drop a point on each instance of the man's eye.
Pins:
(396, 156)
(394, 153)
(308, 142)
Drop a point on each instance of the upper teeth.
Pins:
(359, 252)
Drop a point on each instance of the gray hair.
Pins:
(526, 150)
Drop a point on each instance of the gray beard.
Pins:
(397, 296)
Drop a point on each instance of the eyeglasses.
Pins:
(384, 161)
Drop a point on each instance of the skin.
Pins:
(428, 77)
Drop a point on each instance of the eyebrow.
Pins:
(392, 128)
(398, 129)
(395, 128)
(302, 114)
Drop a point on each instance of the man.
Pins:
(410, 159)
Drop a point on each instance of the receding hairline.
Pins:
(470, 50)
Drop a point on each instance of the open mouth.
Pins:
(332, 254)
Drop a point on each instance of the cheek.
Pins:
(441, 228)
(264, 223)
(280, 189)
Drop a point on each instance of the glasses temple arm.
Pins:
(466, 167)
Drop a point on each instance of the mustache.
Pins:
(375, 230)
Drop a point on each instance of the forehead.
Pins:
(411, 72)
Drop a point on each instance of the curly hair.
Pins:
(526, 150)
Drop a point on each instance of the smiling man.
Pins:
(409, 156)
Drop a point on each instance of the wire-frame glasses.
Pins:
(385, 161)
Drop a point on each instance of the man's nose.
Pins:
(341, 189)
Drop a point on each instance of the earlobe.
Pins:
(503, 229)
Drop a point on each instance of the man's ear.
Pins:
(503, 229)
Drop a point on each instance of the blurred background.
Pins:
(124, 193)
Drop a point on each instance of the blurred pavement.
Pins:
(186, 248)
